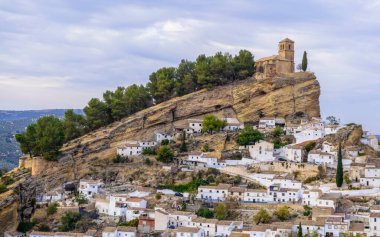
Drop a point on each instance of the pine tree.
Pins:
(339, 168)
(299, 233)
(304, 61)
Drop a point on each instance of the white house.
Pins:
(329, 200)
(224, 228)
(371, 176)
(134, 213)
(147, 144)
(213, 193)
(309, 134)
(267, 122)
(283, 195)
(310, 226)
(351, 151)
(204, 160)
(53, 196)
(276, 229)
(320, 157)
(329, 148)
(294, 153)
(371, 140)
(160, 136)
(208, 225)
(177, 219)
(374, 224)
(262, 151)
(190, 232)
(13, 234)
(310, 197)
(129, 149)
(195, 125)
(89, 187)
(336, 225)
(232, 124)
(120, 231)
(331, 129)
(256, 195)
(118, 204)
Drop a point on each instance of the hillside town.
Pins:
(215, 175)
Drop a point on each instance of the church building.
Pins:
(277, 64)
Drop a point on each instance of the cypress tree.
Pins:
(299, 233)
(339, 168)
(304, 61)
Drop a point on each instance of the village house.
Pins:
(329, 148)
(371, 176)
(213, 193)
(225, 227)
(89, 188)
(256, 195)
(129, 149)
(55, 195)
(374, 224)
(320, 158)
(294, 153)
(203, 160)
(160, 136)
(276, 229)
(146, 224)
(208, 225)
(195, 125)
(336, 225)
(120, 231)
(267, 123)
(89, 233)
(189, 232)
(13, 234)
(232, 124)
(309, 134)
(178, 219)
(316, 198)
(331, 129)
(351, 151)
(118, 204)
(370, 140)
(282, 195)
(310, 197)
(310, 226)
(262, 151)
(135, 212)
(277, 64)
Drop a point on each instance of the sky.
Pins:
(61, 53)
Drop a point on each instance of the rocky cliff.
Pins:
(295, 94)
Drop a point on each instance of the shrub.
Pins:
(310, 146)
(165, 154)
(52, 208)
(306, 210)
(80, 199)
(133, 223)
(311, 179)
(148, 162)
(120, 159)
(25, 226)
(249, 136)
(69, 220)
(204, 212)
(148, 151)
(165, 142)
(3, 188)
(158, 196)
(262, 216)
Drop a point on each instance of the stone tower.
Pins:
(286, 50)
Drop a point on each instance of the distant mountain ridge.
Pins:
(12, 122)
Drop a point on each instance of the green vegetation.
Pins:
(119, 159)
(277, 133)
(262, 216)
(333, 120)
(310, 146)
(133, 223)
(206, 148)
(25, 226)
(212, 124)
(299, 232)
(347, 179)
(307, 210)
(282, 213)
(311, 179)
(205, 212)
(165, 142)
(74, 125)
(249, 136)
(304, 61)
(80, 199)
(43, 138)
(165, 154)
(3, 188)
(69, 221)
(52, 208)
(221, 212)
(339, 168)
(150, 150)
(191, 186)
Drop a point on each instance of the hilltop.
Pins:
(296, 94)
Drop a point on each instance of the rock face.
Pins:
(247, 100)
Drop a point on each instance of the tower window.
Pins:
(289, 46)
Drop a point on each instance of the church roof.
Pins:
(287, 40)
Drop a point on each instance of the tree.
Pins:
(299, 232)
(97, 114)
(204, 212)
(347, 179)
(310, 146)
(165, 154)
(249, 136)
(282, 213)
(278, 132)
(206, 147)
(244, 64)
(183, 206)
(221, 212)
(80, 199)
(186, 81)
(69, 220)
(307, 210)
(74, 125)
(339, 168)
(262, 216)
(28, 140)
(333, 120)
(162, 84)
(183, 147)
(211, 123)
(304, 61)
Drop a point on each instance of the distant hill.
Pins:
(12, 122)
